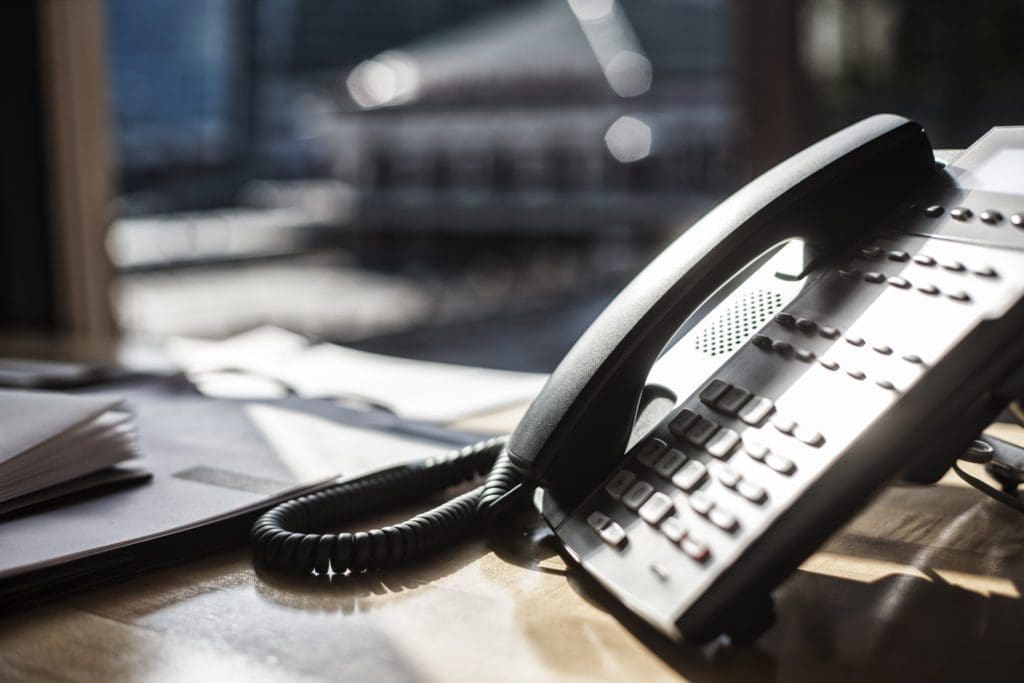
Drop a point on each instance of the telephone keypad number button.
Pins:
(637, 495)
(690, 476)
(657, 507)
(695, 549)
(732, 400)
(650, 452)
(598, 520)
(701, 431)
(674, 529)
(614, 535)
(779, 464)
(704, 506)
(682, 422)
(620, 483)
(669, 463)
(722, 443)
(756, 410)
(713, 391)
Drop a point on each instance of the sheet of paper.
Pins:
(271, 361)
(211, 459)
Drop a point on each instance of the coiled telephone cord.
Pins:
(286, 537)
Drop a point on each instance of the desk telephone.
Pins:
(849, 317)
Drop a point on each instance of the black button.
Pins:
(806, 325)
(883, 349)
(854, 340)
(683, 421)
(898, 255)
(990, 216)
(828, 332)
(804, 355)
(873, 277)
(984, 271)
(700, 432)
(762, 341)
(1017, 219)
(952, 264)
(779, 346)
(870, 252)
(829, 364)
(959, 295)
(713, 391)
(961, 213)
(933, 210)
(924, 260)
(928, 289)
(732, 400)
(785, 319)
(856, 374)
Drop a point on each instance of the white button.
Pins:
(690, 476)
(722, 443)
(726, 521)
(650, 452)
(613, 535)
(638, 495)
(755, 449)
(784, 424)
(728, 476)
(756, 410)
(597, 520)
(674, 529)
(809, 436)
(751, 491)
(656, 508)
(669, 463)
(695, 549)
(701, 502)
(779, 464)
(618, 485)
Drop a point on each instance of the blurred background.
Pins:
(460, 180)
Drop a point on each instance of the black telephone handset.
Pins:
(710, 430)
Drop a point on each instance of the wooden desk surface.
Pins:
(924, 585)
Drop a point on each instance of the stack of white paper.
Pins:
(48, 438)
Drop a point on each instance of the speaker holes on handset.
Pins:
(735, 325)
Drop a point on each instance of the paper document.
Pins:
(48, 438)
(270, 361)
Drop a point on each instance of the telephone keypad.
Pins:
(637, 495)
